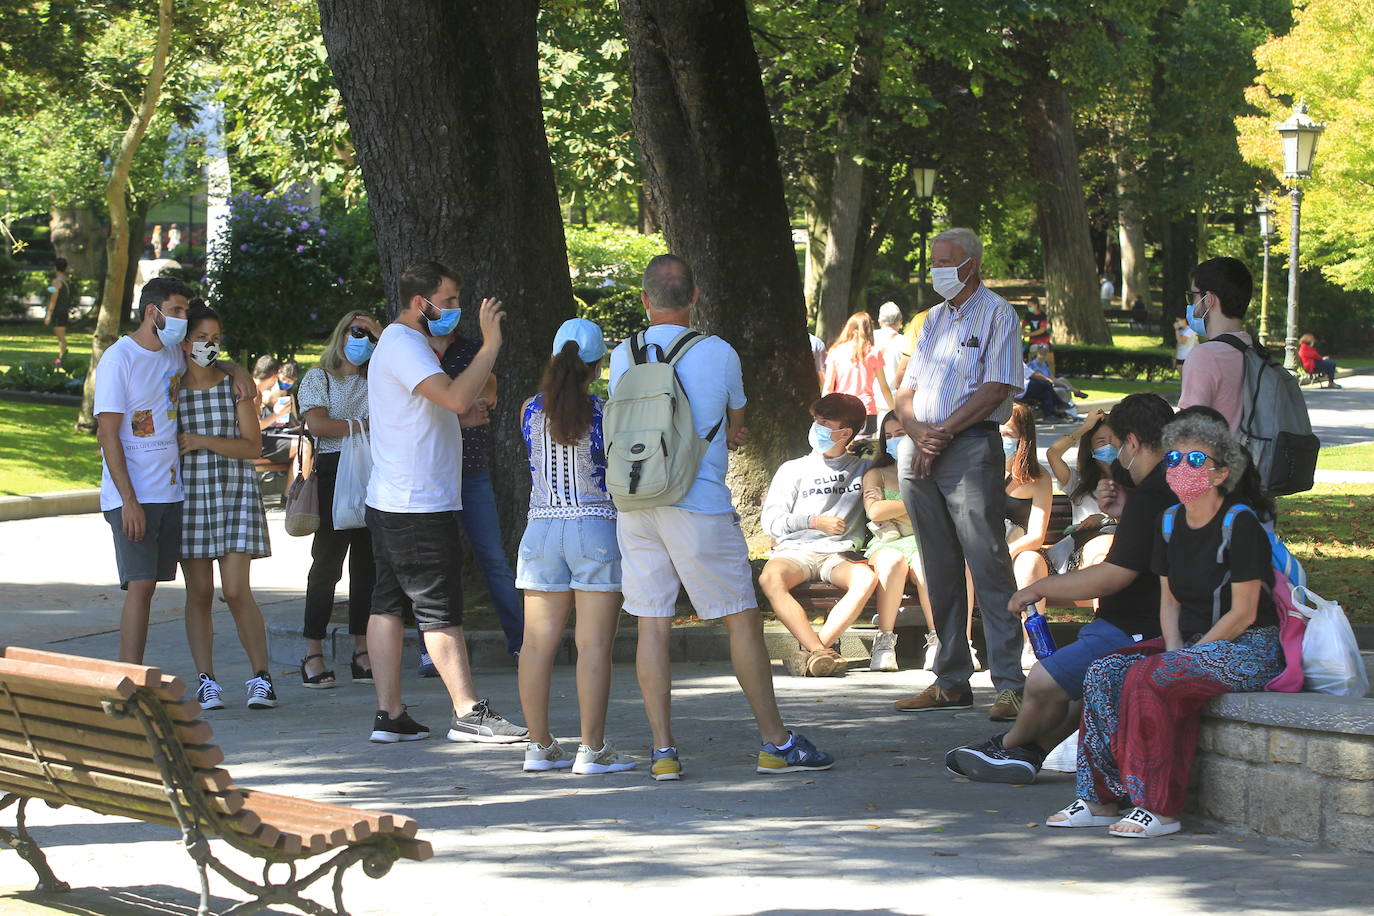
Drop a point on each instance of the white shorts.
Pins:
(664, 549)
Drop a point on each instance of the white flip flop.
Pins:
(1079, 814)
(1150, 826)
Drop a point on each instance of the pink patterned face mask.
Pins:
(1187, 482)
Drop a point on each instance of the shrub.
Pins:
(1112, 362)
(606, 263)
(45, 377)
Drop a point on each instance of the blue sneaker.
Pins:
(802, 755)
(427, 668)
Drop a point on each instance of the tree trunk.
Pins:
(1135, 269)
(1071, 288)
(116, 197)
(816, 211)
(846, 192)
(138, 223)
(78, 235)
(648, 219)
(443, 101)
(1179, 248)
(712, 162)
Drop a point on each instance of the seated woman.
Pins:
(1088, 539)
(1142, 705)
(892, 552)
(1028, 500)
(1313, 363)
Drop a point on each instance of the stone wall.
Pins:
(1297, 766)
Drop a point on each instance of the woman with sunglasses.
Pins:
(1142, 706)
(331, 394)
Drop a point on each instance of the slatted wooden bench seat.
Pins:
(820, 597)
(120, 739)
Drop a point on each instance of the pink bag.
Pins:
(1292, 627)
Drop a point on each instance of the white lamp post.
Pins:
(925, 190)
(1299, 135)
(1265, 212)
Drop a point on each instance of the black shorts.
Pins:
(60, 318)
(155, 557)
(419, 556)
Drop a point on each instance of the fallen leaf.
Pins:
(989, 810)
(946, 854)
(808, 782)
(871, 826)
(871, 807)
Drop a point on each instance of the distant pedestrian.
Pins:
(1313, 363)
(855, 366)
(1185, 340)
(59, 307)
(1106, 291)
(887, 337)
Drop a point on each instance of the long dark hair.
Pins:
(883, 459)
(1089, 468)
(1025, 464)
(564, 387)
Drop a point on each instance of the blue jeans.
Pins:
(483, 528)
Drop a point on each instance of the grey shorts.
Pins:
(818, 567)
(155, 557)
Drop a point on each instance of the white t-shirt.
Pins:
(892, 345)
(142, 385)
(818, 352)
(710, 374)
(417, 446)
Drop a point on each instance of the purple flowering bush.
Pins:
(281, 274)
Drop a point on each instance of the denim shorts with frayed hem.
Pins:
(559, 554)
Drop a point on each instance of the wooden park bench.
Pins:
(119, 739)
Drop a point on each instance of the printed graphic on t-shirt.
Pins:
(822, 484)
(141, 422)
(173, 479)
(173, 389)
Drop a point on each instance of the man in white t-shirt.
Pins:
(413, 499)
(697, 544)
(893, 346)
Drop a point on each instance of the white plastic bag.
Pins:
(1064, 758)
(1331, 661)
(350, 487)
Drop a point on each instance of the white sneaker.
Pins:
(1028, 658)
(973, 654)
(932, 650)
(210, 695)
(260, 692)
(884, 656)
(607, 760)
(539, 758)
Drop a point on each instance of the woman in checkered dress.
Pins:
(222, 517)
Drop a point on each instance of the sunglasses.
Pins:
(1174, 457)
(360, 333)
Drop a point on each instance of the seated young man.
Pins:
(1127, 612)
(814, 512)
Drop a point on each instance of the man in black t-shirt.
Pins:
(1128, 609)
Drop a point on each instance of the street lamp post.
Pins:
(925, 189)
(1264, 212)
(1299, 135)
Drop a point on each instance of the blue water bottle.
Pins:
(1038, 629)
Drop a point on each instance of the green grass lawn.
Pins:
(21, 343)
(1101, 389)
(40, 450)
(1330, 529)
(1347, 458)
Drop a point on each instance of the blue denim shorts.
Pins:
(1095, 639)
(558, 554)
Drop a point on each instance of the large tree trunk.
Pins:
(1179, 248)
(443, 100)
(1071, 286)
(700, 117)
(1135, 269)
(78, 235)
(857, 110)
(816, 212)
(116, 201)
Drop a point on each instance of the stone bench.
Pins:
(1299, 766)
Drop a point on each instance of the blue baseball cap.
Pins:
(591, 346)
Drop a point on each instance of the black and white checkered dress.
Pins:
(223, 510)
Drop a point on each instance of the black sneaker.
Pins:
(386, 730)
(952, 763)
(991, 762)
(485, 725)
(260, 692)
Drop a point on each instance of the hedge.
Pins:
(1077, 361)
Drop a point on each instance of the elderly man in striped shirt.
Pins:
(957, 391)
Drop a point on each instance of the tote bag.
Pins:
(350, 488)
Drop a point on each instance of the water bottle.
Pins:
(1038, 629)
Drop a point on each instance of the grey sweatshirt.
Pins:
(816, 485)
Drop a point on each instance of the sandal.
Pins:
(361, 675)
(322, 681)
(1149, 823)
(1078, 814)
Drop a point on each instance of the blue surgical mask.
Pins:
(1195, 321)
(1106, 453)
(173, 330)
(1009, 446)
(445, 323)
(358, 350)
(892, 446)
(822, 438)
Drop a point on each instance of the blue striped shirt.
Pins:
(961, 349)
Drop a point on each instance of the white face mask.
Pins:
(204, 353)
(945, 280)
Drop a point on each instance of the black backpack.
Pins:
(1274, 424)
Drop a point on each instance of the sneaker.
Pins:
(665, 765)
(539, 759)
(386, 730)
(991, 762)
(427, 668)
(802, 755)
(952, 763)
(591, 762)
(884, 653)
(932, 650)
(1007, 707)
(209, 694)
(484, 725)
(934, 697)
(818, 663)
(260, 692)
